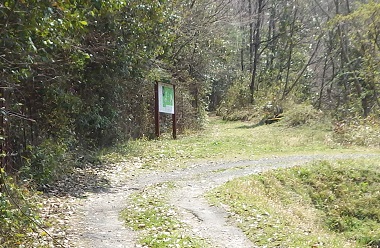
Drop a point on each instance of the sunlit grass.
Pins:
(229, 141)
(158, 222)
(272, 208)
(329, 204)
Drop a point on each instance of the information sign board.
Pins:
(166, 98)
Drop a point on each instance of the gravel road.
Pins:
(96, 222)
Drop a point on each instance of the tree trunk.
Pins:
(251, 31)
(290, 55)
(271, 38)
(242, 29)
(256, 46)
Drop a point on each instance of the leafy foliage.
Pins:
(18, 214)
(82, 71)
(303, 114)
(48, 162)
(357, 131)
(236, 97)
(359, 75)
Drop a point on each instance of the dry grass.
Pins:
(270, 214)
(302, 207)
(229, 141)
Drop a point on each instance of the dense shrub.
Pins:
(357, 131)
(236, 98)
(18, 214)
(302, 114)
(79, 78)
(47, 162)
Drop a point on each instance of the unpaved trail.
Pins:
(97, 224)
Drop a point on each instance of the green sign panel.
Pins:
(166, 98)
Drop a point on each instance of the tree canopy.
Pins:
(80, 74)
(77, 76)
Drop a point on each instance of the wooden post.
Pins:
(2, 128)
(174, 119)
(2, 144)
(4, 132)
(156, 111)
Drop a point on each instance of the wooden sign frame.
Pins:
(164, 95)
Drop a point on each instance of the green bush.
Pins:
(18, 214)
(360, 132)
(48, 161)
(236, 98)
(244, 114)
(302, 114)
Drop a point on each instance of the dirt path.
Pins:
(97, 224)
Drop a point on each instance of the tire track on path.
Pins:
(100, 226)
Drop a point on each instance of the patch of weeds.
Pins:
(124, 151)
(303, 114)
(348, 193)
(47, 162)
(359, 132)
(225, 141)
(19, 217)
(265, 220)
(158, 222)
(329, 204)
(243, 114)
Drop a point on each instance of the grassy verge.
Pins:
(329, 204)
(267, 221)
(228, 141)
(157, 222)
